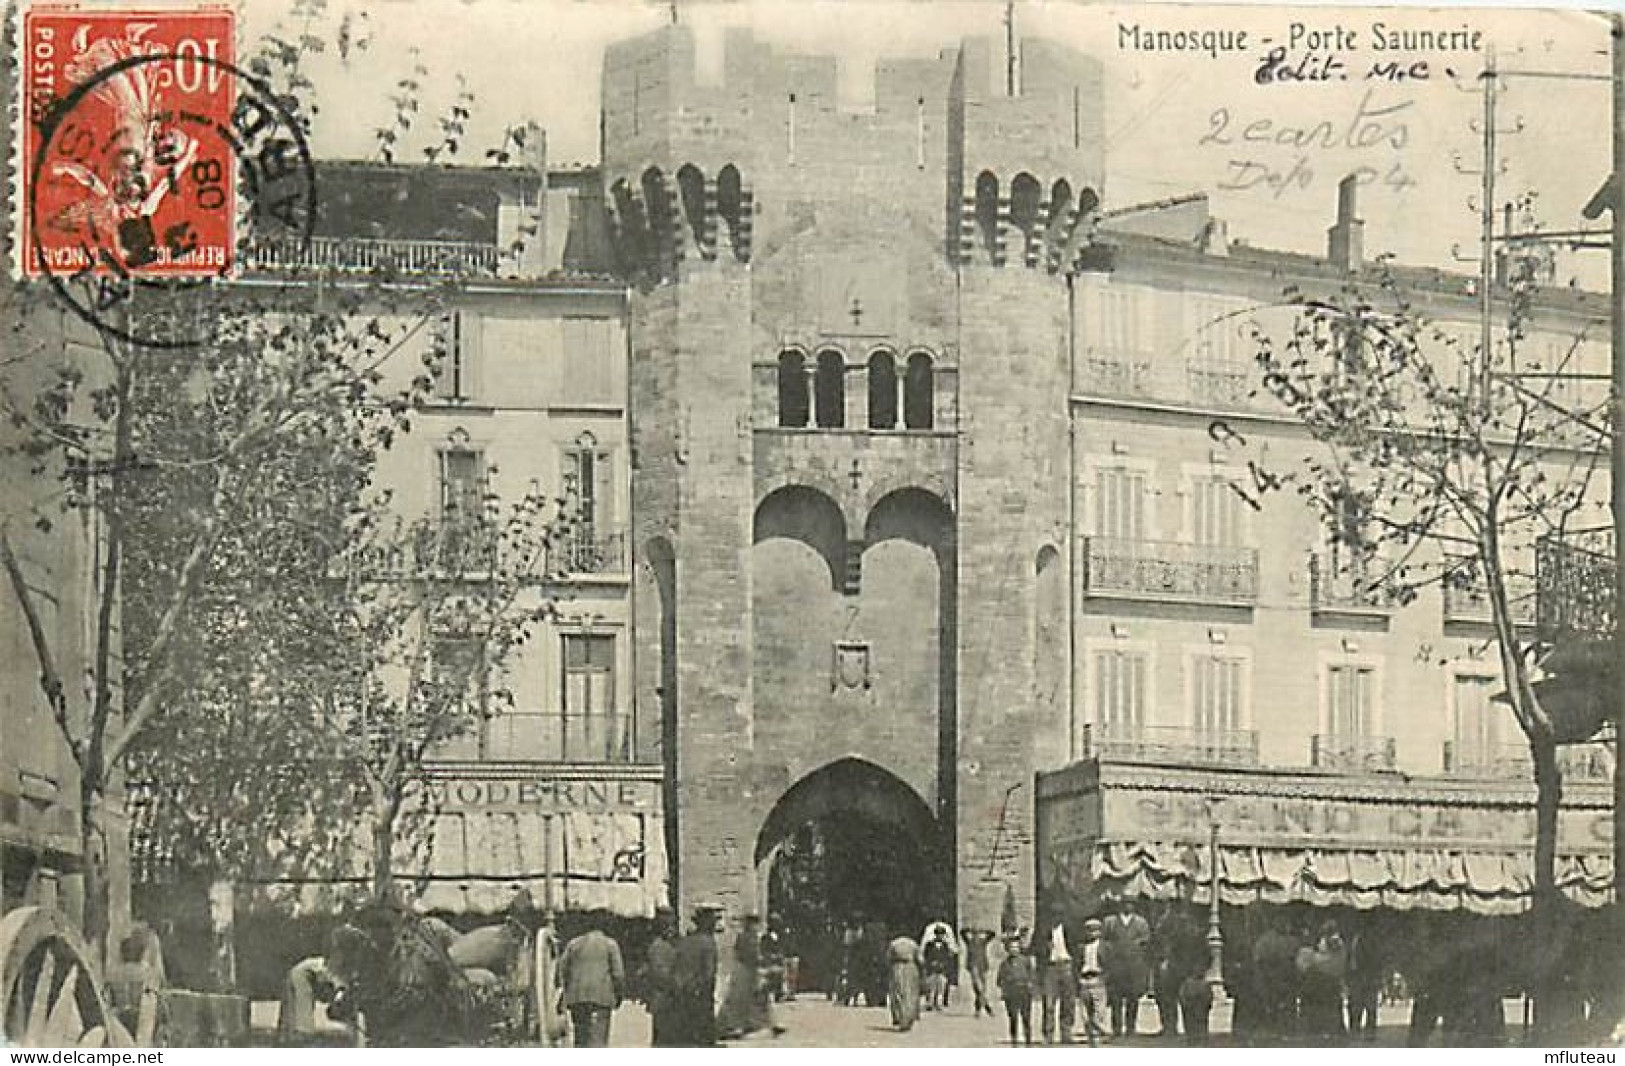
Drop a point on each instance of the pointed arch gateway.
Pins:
(848, 842)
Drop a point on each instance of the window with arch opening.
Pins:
(918, 389)
(882, 391)
(794, 406)
(829, 389)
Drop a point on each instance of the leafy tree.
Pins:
(223, 484)
(1445, 464)
(428, 613)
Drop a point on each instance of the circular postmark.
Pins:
(130, 194)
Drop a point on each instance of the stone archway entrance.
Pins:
(851, 843)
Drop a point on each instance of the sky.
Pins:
(1269, 155)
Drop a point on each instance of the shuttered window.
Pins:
(1120, 503)
(1120, 692)
(1216, 691)
(1350, 692)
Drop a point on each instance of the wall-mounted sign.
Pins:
(546, 793)
(1145, 814)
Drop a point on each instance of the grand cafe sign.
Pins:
(1280, 820)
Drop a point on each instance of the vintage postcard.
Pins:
(876, 523)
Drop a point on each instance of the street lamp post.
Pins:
(1215, 937)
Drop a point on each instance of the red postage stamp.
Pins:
(128, 166)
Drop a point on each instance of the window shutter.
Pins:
(470, 338)
(604, 493)
(444, 345)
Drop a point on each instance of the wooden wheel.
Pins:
(53, 997)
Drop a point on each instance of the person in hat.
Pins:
(747, 1006)
(660, 993)
(696, 980)
(594, 981)
(1017, 977)
(1092, 981)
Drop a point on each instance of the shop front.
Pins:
(575, 840)
(1108, 830)
(1412, 887)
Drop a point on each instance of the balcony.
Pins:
(1472, 605)
(1489, 762)
(1339, 591)
(533, 736)
(1162, 570)
(1172, 744)
(1109, 375)
(1352, 755)
(1224, 383)
(1587, 762)
(586, 552)
(362, 255)
(1575, 578)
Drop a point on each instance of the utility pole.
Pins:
(1616, 449)
(1010, 47)
(1486, 218)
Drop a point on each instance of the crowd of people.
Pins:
(1294, 976)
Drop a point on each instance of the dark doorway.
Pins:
(851, 845)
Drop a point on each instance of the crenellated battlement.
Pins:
(1004, 178)
(657, 223)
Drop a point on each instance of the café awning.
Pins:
(1365, 841)
(1395, 879)
(573, 860)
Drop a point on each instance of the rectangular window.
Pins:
(463, 528)
(593, 729)
(1350, 691)
(457, 670)
(1478, 739)
(457, 342)
(1120, 503)
(593, 543)
(1120, 694)
(1216, 512)
(1216, 691)
(1119, 315)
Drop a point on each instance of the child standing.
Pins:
(1017, 977)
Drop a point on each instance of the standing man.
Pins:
(1092, 981)
(594, 979)
(660, 993)
(1057, 980)
(941, 961)
(1127, 936)
(696, 965)
(976, 942)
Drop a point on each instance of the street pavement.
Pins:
(811, 1021)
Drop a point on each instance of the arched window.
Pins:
(987, 211)
(918, 392)
(830, 389)
(882, 391)
(793, 405)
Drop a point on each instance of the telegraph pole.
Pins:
(1616, 449)
(1486, 218)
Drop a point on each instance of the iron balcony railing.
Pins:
(1487, 761)
(547, 736)
(1473, 604)
(1574, 578)
(1163, 570)
(1171, 744)
(587, 552)
(363, 255)
(1587, 762)
(1334, 589)
(1359, 755)
(1229, 384)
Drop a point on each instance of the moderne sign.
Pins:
(546, 794)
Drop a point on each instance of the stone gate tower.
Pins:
(850, 356)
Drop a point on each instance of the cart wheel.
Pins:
(53, 997)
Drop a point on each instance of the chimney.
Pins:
(1345, 242)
